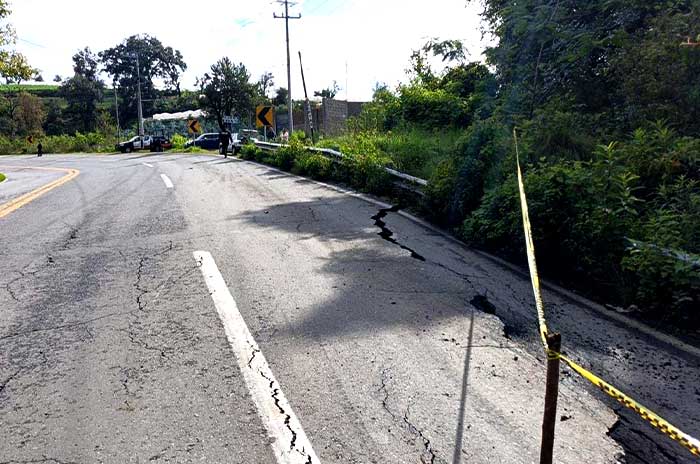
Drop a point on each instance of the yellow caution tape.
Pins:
(673, 432)
(530, 245)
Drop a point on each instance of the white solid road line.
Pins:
(167, 181)
(148, 165)
(289, 442)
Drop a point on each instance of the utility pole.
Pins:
(286, 18)
(138, 93)
(116, 109)
(309, 115)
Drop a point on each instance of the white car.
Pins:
(135, 144)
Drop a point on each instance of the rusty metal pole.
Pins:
(550, 400)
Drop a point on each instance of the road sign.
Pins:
(231, 120)
(264, 115)
(30, 139)
(193, 126)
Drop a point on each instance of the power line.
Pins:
(30, 43)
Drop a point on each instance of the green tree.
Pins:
(612, 58)
(329, 92)
(227, 90)
(280, 97)
(28, 115)
(83, 92)
(264, 85)
(155, 62)
(14, 67)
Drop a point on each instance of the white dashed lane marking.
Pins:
(167, 181)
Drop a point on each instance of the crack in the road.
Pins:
(63, 326)
(71, 236)
(22, 275)
(427, 445)
(388, 235)
(144, 344)
(624, 424)
(426, 441)
(6, 382)
(127, 391)
(384, 377)
(287, 418)
(137, 285)
(37, 461)
(141, 292)
(250, 361)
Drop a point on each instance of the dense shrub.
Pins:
(178, 141)
(284, 157)
(94, 142)
(584, 212)
(250, 151)
(440, 192)
(314, 165)
(433, 108)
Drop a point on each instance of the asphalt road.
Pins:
(116, 347)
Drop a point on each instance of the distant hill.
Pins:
(28, 87)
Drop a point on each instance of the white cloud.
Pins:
(373, 37)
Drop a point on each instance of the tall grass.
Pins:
(94, 142)
(414, 151)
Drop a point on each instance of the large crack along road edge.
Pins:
(388, 235)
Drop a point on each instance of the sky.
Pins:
(354, 42)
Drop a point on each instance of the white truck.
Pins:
(135, 144)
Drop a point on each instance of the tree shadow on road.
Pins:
(375, 283)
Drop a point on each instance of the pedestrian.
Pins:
(224, 140)
(285, 136)
(39, 150)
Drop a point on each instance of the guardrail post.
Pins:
(550, 400)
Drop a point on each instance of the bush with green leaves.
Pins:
(584, 212)
(433, 108)
(315, 165)
(179, 142)
(363, 164)
(250, 151)
(284, 157)
(10, 146)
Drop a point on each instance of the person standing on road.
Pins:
(39, 150)
(224, 140)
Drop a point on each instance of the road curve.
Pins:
(390, 343)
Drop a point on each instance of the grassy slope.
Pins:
(416, 151)
(27, 87)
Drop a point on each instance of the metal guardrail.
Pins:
(688, 258)
(338, 157)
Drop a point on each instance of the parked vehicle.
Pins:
(160, 143)
(241, 138)
(134, 144)
(208, 141)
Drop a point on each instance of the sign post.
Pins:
(193, 128)
(264, 115)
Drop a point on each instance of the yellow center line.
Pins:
(17, 203)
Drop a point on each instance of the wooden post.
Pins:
(550, 400)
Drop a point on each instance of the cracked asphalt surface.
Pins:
(111, 349)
